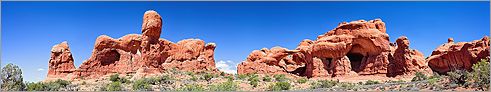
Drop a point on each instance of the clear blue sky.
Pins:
(30, 29)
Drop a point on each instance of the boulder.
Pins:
(458, 56)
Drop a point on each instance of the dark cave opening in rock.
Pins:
(110, 57)
(355, 61)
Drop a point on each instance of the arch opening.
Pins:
(355, 61)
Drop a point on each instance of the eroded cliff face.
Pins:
(355, 48)
(145, 54)
(458, 56)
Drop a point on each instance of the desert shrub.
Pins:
(346, 85)
(226, 86)
(143, 84)
(241, 76)
(419, 77)
(56, 85)
(164, 79)
(191, 87)
(194, 78)
(432, 81)
(480, 74)
(323, 84)
(116, 78)
(114, 86)
(277, 86)
(208, 76)
(371, 82)
(229, 78)
(222, 73)
(11, 78)
(458, 76)
(84, 83)
(302, 80)
(48, 86)
(267, 78)
(280, 77)
(254, 80)
(397, 81)
(189, 73)
(33, 86)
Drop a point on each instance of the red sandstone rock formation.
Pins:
(354, 48)
(144, 54)
(405, 61)
(461, 55)
(264, 61)
(61, 61)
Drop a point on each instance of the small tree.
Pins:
(481, 74)
(12, 79)
(114, 86)
(419, 77)
(458, 76)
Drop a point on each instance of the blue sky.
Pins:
(30, 29)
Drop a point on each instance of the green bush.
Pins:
(229, 78)
(114, 86)
(458, 76)
(397, 81)
(226, 86)
(189, 73)
(347, 85)
(56, 85)
(302, 80)
(241, 76)
(323, 84)
(279, 86)
(143, 84)
(419, 77)
(208, 76)
(49, 86)
(280, 77)
(432, 81)
(11, 78)
(194, 78)
(481, 74)
(116, 78)
(371, 82)
(192, 87)
(164, 79)
(253, 80)
(222, 73)
(35, 86)
(267, 78)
